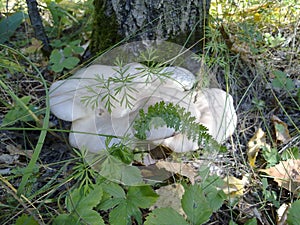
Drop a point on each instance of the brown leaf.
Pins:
(17, 150)
(286, 174)
(170, 196)
(179, 168)
(255, 144)
(281, 130)
(36, 46)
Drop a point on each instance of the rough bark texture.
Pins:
(180, 21)
(38, 27)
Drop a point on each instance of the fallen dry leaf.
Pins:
(255, 144)
(282, 214)
(179, 168)
(234, 187)
(170, 196)
(17, 150)
(286, 174)
(281, 130)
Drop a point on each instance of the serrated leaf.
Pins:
(91, 217)
(79, 202)
(293, 217)
(216, 197)
(195, 205)
(165, 216)
(64, 219)
(26, 220)
(119, 216)
(114, 190)
(141, 196)
(117, 171)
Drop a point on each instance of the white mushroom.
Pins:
(211, 107)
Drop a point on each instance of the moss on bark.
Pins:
(105, 28)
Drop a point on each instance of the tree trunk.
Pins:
(180, 21)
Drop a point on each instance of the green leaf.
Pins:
(115, 193)
(114, 190)
(80, 202)
(117, 171)
(26, 220)
(56, 57)
(67, 51)
(9, 25)
(252, 221)
(283, 82)
(78, 49)
(64, 219)
(57, 68)
(80, 207)
(211, 185)
(70, 62)
(119, 215)
(293, 217)
(195, 205)
(290, 153)
(18, 113)
(165, 216)
(121, 152)
(91, 217)
(142, 196)
(271, 155)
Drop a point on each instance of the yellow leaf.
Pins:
(286, 174)
(257, 17)
(254, 145)
(234, 186)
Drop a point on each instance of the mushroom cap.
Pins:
(212, 107)
(215, 111)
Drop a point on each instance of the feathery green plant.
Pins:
(175, 117)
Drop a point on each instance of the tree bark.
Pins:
(37, 24)
(180, 21)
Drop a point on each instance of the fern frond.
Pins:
(177, 118)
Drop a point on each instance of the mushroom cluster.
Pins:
(103, 100)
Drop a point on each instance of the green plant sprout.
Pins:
(282, 82)
(122, 83)
(66, 57)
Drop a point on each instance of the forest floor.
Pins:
(255, 60)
